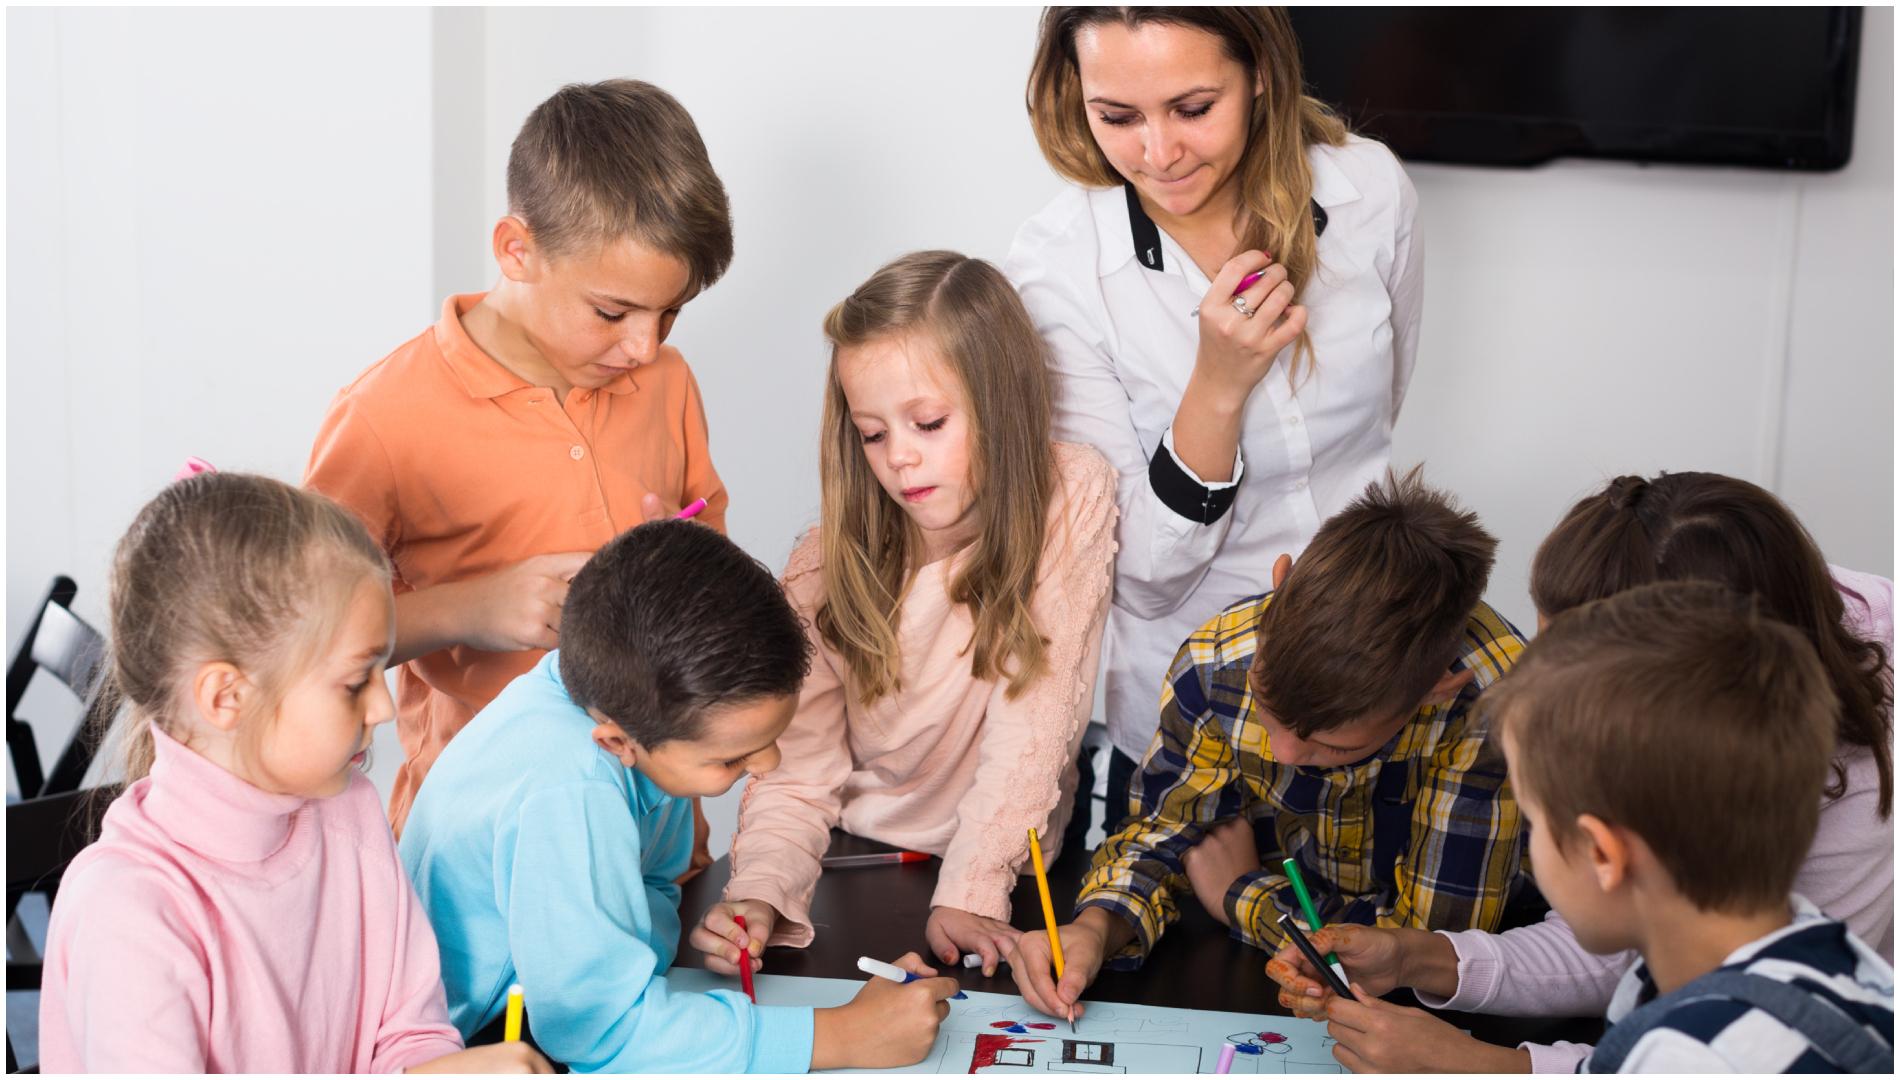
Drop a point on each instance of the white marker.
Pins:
(972, 960)
(896, 974)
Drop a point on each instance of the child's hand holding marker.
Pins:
(1376, 956)
(888, 1025)
(721, 938)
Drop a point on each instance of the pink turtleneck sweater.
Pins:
(216, 927)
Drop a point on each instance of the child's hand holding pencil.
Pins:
(1032, 965)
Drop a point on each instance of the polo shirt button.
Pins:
(1298, 485)
(576, 452)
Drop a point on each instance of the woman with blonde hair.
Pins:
(1239, 418)
(955, 591)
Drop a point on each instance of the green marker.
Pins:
(1312, 914)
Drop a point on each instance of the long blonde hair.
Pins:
(871, 550)
(1276, 183)
(224, 566)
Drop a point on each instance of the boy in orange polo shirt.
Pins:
(494, 452)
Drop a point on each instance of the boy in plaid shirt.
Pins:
(1328, 721)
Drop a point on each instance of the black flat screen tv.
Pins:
(1764, 87)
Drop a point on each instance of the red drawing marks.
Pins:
(988, 1046)
(745, 961)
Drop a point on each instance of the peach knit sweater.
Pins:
(947, 764)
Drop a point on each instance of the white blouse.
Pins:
(1123, 339)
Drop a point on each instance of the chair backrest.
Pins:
(20, 670)
(68, 649)
(64, 646)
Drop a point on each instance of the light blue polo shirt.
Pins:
(542, 860)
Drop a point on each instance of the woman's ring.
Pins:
(1240, 305)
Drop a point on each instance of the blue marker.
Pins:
(897, 974)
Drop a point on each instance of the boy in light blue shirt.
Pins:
(545, 841)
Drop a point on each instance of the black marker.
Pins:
(1313, 957)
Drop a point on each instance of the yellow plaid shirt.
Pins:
(1451, 855)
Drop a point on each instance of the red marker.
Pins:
(745, 955)
(882, 858)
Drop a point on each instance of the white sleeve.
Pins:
(1539, 970)
(1406, 287)
(1162, 556)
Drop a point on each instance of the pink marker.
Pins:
(1245, 284)
(692, 510)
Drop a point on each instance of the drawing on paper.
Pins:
(1000, 1053)
(997, 1033)
(1098, 1021)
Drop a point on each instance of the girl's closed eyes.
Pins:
(1191, 112)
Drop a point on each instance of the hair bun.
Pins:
(1627, 491)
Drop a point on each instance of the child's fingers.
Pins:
(1348, 1014)
(564, 565)
(914, 964)
(990, 953)
(941, 946)
(1036, 979)
(1289, 970)
(1070, 988)
(1346, 1054)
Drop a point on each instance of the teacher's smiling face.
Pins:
(1169, 108)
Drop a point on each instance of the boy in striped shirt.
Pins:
(1669, 746)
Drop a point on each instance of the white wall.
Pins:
(205, 246)
(1589, 319)
(216, 218)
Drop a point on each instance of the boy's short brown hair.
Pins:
(1372, 613)
(1682, 713)
(619, 160)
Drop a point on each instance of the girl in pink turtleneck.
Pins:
(244, 909)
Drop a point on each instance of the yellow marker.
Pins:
(513, 1030)
(1048, 908)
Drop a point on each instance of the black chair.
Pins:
(43, 837)
(62, 645)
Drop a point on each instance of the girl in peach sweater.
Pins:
(955, 591)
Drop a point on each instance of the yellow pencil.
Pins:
(1048, 910)
(512, 1032)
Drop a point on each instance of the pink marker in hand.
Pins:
(691, 511)
(1245, 284)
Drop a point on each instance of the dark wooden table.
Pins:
(881, 912)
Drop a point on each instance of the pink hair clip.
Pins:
(192, 467)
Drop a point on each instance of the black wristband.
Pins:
(1182, 493)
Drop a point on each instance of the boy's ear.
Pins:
(514, 249)
(610, 737)
(219, 692)
(1281, 567)
(1447, 687)
(1609, 851)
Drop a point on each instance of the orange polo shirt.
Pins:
(461, 468)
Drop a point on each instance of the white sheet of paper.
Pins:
(997, 1033)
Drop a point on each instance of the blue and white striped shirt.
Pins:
(1813, 953)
